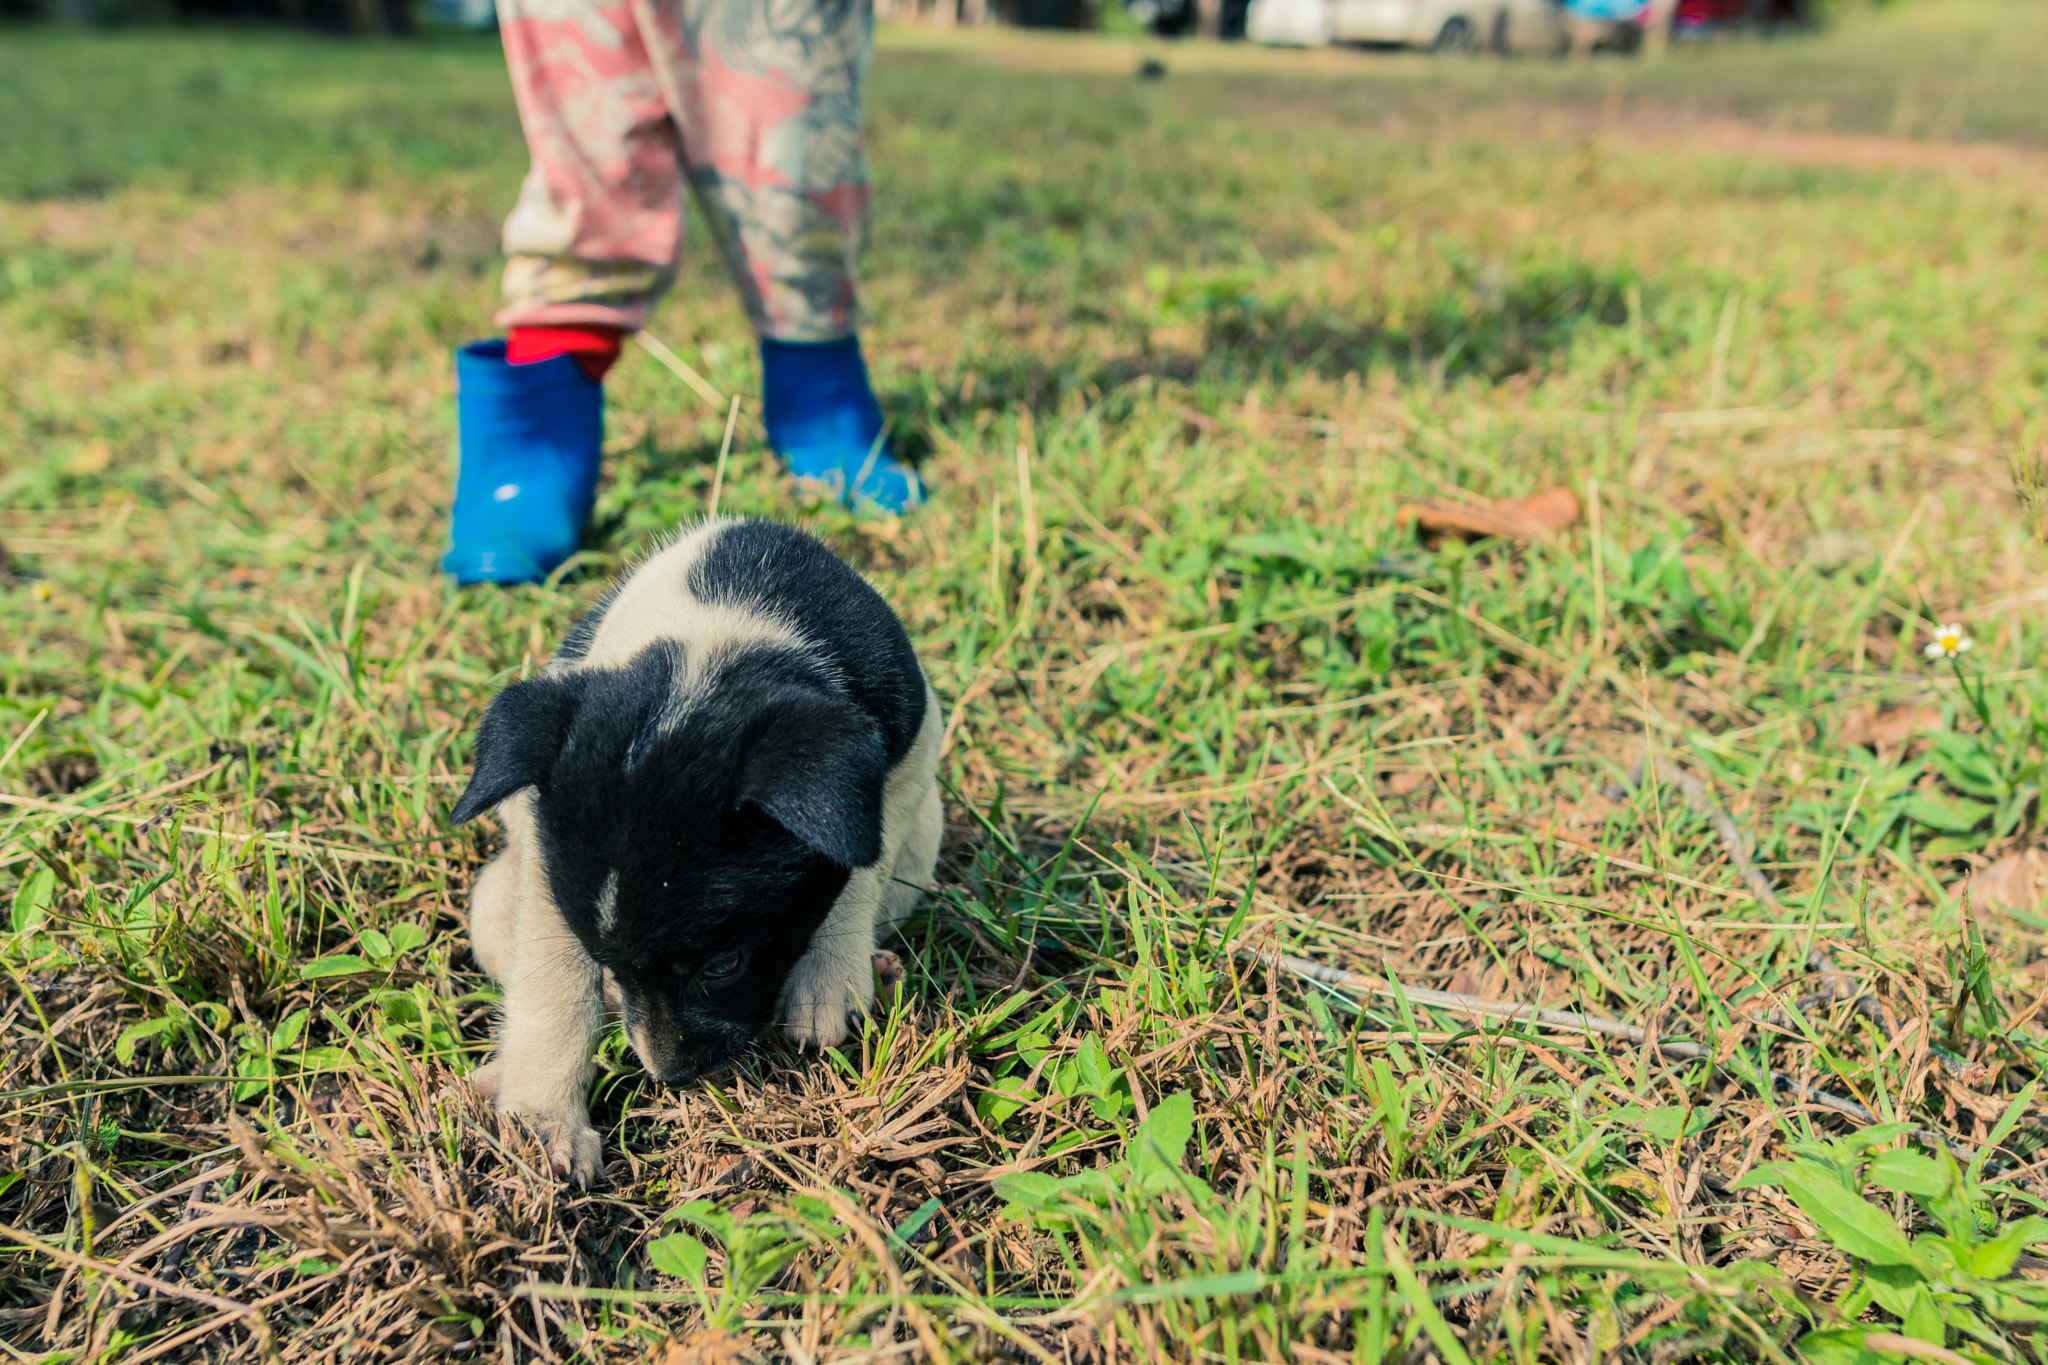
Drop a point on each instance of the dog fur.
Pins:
(718, 798)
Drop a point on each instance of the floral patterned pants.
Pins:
(757, 103)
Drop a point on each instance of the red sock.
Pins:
(594, 348)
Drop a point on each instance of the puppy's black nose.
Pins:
(682, 1073)
(691, 1060)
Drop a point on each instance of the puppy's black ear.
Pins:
(817, 768)
(519, 740)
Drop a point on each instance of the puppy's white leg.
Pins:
(552, 1010)
(836, 975)
(494, 896)
(911, 875)
(914, 822)
(492, 905)
(542, 1070)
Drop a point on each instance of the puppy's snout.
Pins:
(682, 1071)
(679, 1058)
(690, 1060)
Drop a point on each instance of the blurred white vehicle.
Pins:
(1442, 25)
(1290, 23)
(1445, 25)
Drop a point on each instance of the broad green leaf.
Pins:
(1028, 1192)
(335, 964)
(406, 937)
(815, 1212)
(1282, 548)
(1842, 1346)
(1968, 765)
(1033, 1194)
(1893, 1287)
(2002, 1129)
(290, 1030)
(124, 1046)
(1843, 1216)
(1161, 1143)
(1664, 1122)
(1093, 1063)
(1962, 1320)
(1995, 1259)
(1842, 1154)
(1909, 1173)
(1077, 1137)
(32, 899)
(1922, 1319)
(259, 1072)
(1937, 810)
(705, 1215)
(376, 945)
(681, 1255)
(1003, 1099)
(1947, 1257)
(1769, 1173)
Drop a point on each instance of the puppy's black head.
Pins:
(696, 824)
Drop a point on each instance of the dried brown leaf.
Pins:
(707, 1347)
(1887, 730)
(2018, 881)
(1537, 517)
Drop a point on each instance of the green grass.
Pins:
(1173, 353)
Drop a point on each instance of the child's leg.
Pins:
(593, 241)
(594, 237)
(767, 97)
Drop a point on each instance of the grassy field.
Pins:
(1173, 353)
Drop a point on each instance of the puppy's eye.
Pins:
(724, 966)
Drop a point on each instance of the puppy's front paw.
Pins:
(816, 1012)
(486, 1080)
(574, 1149)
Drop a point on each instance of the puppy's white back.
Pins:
(655, 603)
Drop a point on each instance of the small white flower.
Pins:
(1948, 642)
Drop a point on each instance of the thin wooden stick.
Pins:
(1697, 796)
(682, 371)
(732, 415)
(22, 738)
(1836, 982)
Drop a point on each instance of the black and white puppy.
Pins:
(718, 798)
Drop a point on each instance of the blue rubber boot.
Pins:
(530, 437)
(824, 422)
